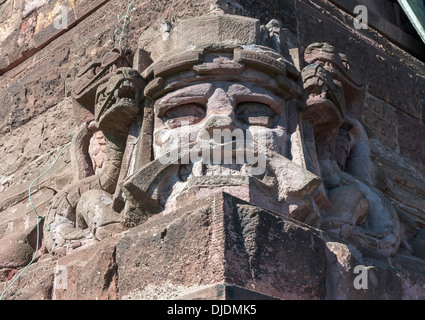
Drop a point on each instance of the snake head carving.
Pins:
(118, 100)
(331, 84)
(98, 72)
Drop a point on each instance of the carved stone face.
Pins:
(239, 110)
(229, 92)
(198, 111)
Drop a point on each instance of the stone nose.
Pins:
(221, 113)
(219, 121)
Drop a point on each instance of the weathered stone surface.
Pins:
(221, 239)
(8, 26)
(5, 275)
(35, 284)
(419, 244)
(246, 247)
(31, 5)
(20, 218)
(397, 75)
(409, 270)
(400, 180)
(87, 274)
(83, 274)
(410, 133)
(6, 10)
(30, 149)
(382, 282)
(38, 24)
(15, 251)
(378, 116)
(33, 95)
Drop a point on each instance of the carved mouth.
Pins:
(215, 166)
(124, 103)
(126, 94)
(218, 173)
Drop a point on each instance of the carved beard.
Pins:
(267, 187)
(212, 171)
(200, 169)
(280, 186)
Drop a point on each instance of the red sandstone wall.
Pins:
(38, 64)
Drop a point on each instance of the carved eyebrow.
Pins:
(253, 90)
(269, 99)
(163, 107)
(183, 96)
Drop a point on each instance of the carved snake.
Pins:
(117, 106)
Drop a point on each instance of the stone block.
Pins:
(378, 280)
(87, 273)
(20, 218)
(221, 239)
(63, 16)
(36, 283)
(15, 251)
(29, 150)
(410, 138)
(6, 9)
(377, 117)
(228, 31)
(7, 27)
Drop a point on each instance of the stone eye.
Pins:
(186, 114)
(256, 114)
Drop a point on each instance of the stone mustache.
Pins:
(239, 75)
